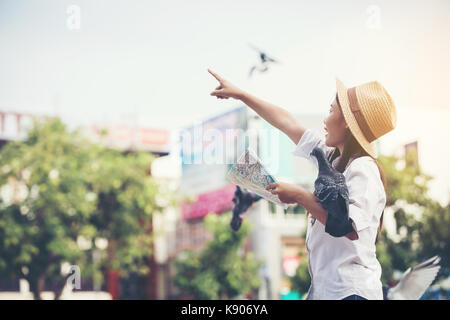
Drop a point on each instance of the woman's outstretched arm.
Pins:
(276, 116)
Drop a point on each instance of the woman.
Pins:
(340, 267)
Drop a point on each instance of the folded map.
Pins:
(250, 173)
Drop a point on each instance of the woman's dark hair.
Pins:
(352, 149)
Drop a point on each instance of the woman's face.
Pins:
(335, 126)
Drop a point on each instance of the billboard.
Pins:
(208, 149)
(124, 136)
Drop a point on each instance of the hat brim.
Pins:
(350, 119)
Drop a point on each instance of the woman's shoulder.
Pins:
(364, 159)
(364, 165)
(363, 178)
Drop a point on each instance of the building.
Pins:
(277, 236)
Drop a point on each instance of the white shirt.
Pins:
(340, 267)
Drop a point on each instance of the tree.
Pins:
(127, 197)
(434, 235)
(422, 224)
(221, 270)
(60, 194)
(301, 281)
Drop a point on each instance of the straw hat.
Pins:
(369, 112)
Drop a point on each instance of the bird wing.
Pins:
(263, 56)
(271, 59)
(415, 281)
(251, 71)
(254, 48)
(324, 188)
(342, 202)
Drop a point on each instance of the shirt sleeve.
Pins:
(306, 144)
(363, 182)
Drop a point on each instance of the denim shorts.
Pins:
(354, 297)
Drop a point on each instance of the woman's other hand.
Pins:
(225, 89)
(287, 193)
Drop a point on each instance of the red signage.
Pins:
(216, 201)
(290, 265)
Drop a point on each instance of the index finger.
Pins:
(270, 186)
(215, 75)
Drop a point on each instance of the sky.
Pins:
(146, 62)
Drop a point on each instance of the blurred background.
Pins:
(97, 197)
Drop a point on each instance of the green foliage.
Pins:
(418, 236)
(404, 182)
(221, 270)
(58, 187)
(434, 233)
(301, 281)
(126, 201)
(44, 201)
(384, 256)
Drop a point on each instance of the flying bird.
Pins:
(264, 61)
(332, 192)
(242, 201)
(414, 282)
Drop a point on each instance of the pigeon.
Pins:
(414, 282)
(242, 201)
(265, 59)
(332, 192)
